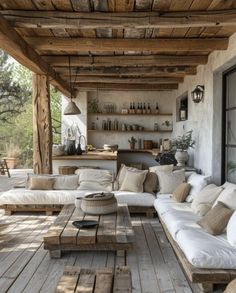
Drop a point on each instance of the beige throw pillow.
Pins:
(161, 168)
(228, 197)
(169, 181)
(66, 182)
(121, 174)
(181, 192)
(216, 220)
(231, 288)
(41, 183)
(203, 202)
(150, 184)
(133, 181)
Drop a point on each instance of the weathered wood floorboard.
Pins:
(27, 267)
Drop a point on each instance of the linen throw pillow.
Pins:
(181, 192)
(150, 184)
(169, 181)
(231, 288)
(205, 199)
(133, 181)
(121, 175)
(231, 230)
(41, 183)
(66, 182)
(228, 197)
(216, 220)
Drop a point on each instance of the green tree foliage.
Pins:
(13, 95)
(17, 127)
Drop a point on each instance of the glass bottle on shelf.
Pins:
(182, 112)
(144, 108)
(148, 109)
(134, 110)
(130, 108)
(157, 109)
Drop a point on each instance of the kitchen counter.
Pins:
(91, 155)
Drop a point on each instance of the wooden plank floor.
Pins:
(26, 267)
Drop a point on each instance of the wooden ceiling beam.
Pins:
(147, 80)
(12, 43)
(110, 45)
(123, 86)
(123, 61)
(128, 71)
(137, 20)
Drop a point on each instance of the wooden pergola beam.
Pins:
(12, 43)
(110, 45)
(124, 86)
(176, 71)
(145, 80)
(137, 20)
(123, 61)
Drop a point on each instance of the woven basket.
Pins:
(99, 204)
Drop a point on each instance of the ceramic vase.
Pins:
(181, 157)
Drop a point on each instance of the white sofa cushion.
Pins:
(228, 197)
(67, 182)
(176, 216)
(95, 179)
(229, 185)
(143, 199)
(169, 181)
(26, 196)
(205, 199)
(206, 251)
(231, 230)
(197, 182)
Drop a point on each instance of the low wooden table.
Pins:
(103, 280)
(114, 232)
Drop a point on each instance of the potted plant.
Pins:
(132, 141)
(181, 145)
(13, 153)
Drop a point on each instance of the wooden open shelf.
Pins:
(128, 114)
(121, 131)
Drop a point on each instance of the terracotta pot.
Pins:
(181, 157)
(12, 162)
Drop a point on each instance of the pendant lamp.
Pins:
(71, 108)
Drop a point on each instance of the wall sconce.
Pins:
(198, 94)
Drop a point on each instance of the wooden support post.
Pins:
(42, 125)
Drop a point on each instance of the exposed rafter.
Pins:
(110, 45)
(124, 61)
(123, 86)
(16, 46)
(137, 20)
(130, 71)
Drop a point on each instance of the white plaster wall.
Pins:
(122, 99)
(205, 118)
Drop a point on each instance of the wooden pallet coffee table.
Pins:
(104, 280)
(114, 232)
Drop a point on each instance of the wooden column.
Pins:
(42, 125)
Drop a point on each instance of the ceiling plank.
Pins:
(150, 80)
(110, 61)
(129, 71)
(110, 45)
(15, 45)
(123, 86)
(134, 20)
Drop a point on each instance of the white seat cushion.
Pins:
(206, 251)
(135, 198)
(26, 196)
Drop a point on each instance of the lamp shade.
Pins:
(72, 109)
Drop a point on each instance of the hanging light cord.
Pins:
(76, 74)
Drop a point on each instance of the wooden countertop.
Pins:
(104, 155)
(93, 155)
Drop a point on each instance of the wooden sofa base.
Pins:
(50, 209)
(206, 278)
